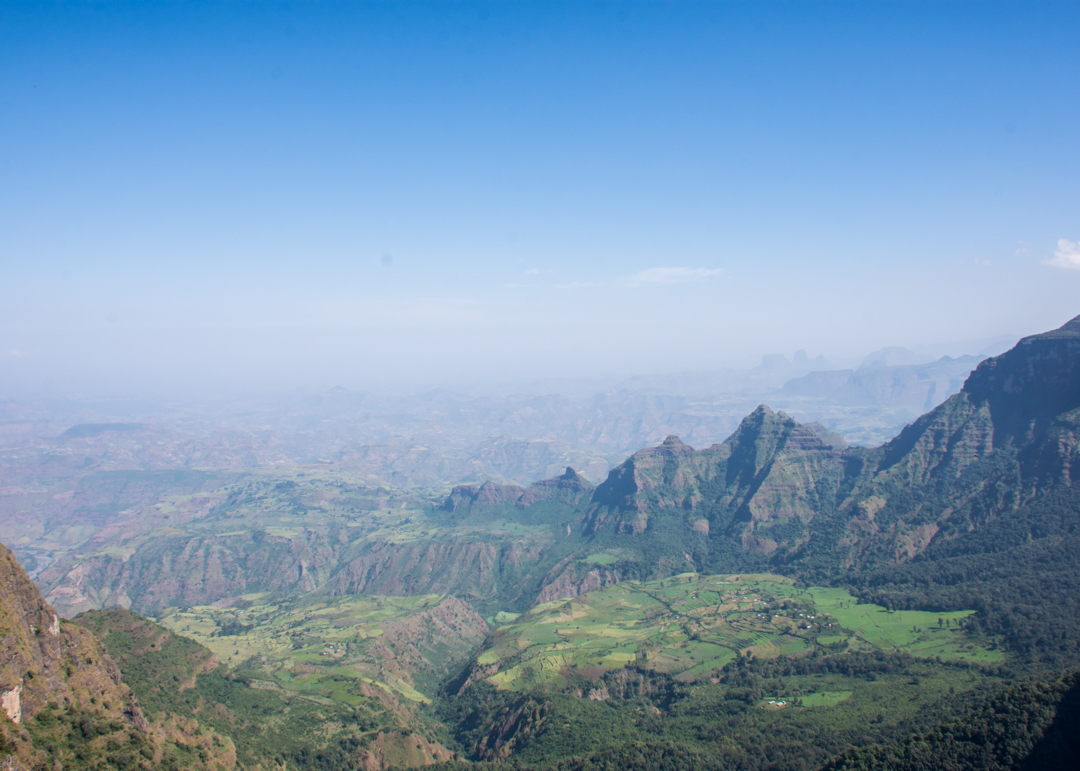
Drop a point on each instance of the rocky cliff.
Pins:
(1008, 438)
(64, 702)
(772, 472)
(786, 492)
(46, 660)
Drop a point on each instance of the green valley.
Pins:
(691, 626)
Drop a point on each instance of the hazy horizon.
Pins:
(256, 198)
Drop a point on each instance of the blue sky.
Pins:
(264, 195)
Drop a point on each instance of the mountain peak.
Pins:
(670, 447)
(1031, 383)
(572, 477)
(1070, 328)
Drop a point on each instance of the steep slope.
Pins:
(760, 488)
(571, 487)
(180, 680)
(64, 703)
(1007, 439)
(797, 494)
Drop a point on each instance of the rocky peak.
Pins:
(569, 486)
(568, 482)
(671, 447)
(571, 475)
(1029, 385)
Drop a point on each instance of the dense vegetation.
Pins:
(1028, 726)
(1020, 574)
(176, 678)
(645, 715)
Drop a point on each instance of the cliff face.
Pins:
(471, 569)
(44, 659)
(49, 663)
(195, 569)
(770, 473)
(790, 492)
(1027, 388)
(1010, 436)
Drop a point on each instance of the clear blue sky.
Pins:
(263, 195)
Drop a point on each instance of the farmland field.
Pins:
(337, 648)
(690, 626)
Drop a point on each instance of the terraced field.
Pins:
(338, 648)
(690, 626)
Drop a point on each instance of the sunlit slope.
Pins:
(339, 648)
(294, 531)
(182, 683)
(64, 705)
(689, 626)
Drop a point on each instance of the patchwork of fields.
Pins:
(690, 626)
(338, 648)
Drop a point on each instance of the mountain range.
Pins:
(698, 608)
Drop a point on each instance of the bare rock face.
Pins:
(194, 569)
(571, 578)
(570, 487)
(45, 659)
(488, 494)
(48, 662)
(463, 568)
(1028, 387)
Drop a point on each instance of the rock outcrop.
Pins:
(47, 662)
(771, 471)
(570, 487)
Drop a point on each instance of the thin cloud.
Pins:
(1066, 256)
(667, 276)
(14, 352)
(571, 285)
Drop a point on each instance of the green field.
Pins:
(690, 626)
(824, 698)
(331, 648)
(602, 558)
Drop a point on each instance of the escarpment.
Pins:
(49, 664)
(788, 493)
